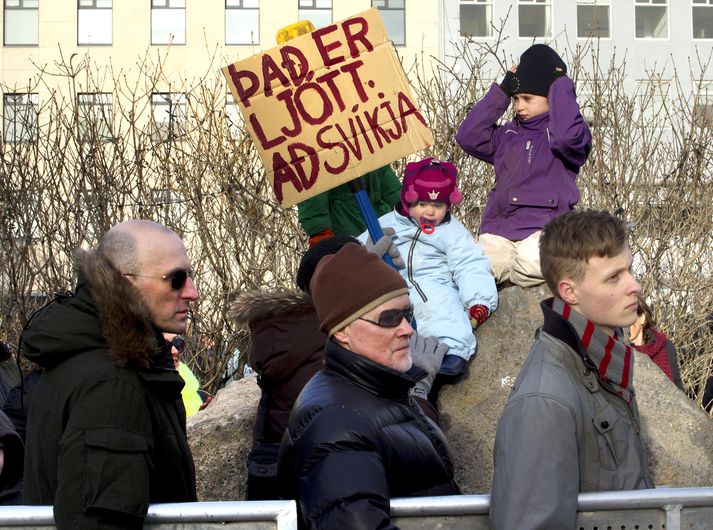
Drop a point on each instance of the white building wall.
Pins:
(432, 31)
(642, 55)
(205, 35)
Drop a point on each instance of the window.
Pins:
(94, 22)
(535, 18)
(593, 19)
(393, 14)
(234, 118)
(168, 21)
(21, 22)
(652, 102)
(651, 19)
(95, 116)
(476, 18)
(169, 115)
(702, 19)
(703, 112)
(20, 117)
(318, 12)
(242, 22)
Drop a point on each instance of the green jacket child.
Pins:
(335, 212)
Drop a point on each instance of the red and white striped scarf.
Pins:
(613, 358)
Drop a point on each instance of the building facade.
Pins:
(658, 43)
(190, 38)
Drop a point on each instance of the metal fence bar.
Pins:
(672, 501)
(650, 498)
(587, 502)
(449, 504)
(282, 513)
(26, 515)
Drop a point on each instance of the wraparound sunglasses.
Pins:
(391, 318)
(177, 278)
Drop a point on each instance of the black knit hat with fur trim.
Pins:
(536, 71)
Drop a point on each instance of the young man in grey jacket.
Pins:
(571, 423)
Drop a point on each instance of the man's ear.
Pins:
(567, 291)
(342, 338)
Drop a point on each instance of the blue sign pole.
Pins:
(358, 188)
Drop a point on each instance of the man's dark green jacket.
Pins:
(106, 430)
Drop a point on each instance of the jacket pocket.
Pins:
(604, 426)
(519, 198)
(116, 471)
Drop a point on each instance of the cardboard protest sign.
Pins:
(328, 107)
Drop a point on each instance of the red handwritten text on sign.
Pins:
(327, 107)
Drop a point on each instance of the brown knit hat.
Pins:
(349, 284)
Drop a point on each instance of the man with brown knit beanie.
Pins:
(355, 436)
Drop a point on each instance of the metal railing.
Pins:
(669, 508)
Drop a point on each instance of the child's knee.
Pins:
(525, 270)
(500, 253)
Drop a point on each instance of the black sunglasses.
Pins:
(391, 318)
(178, 342)
(178, 278)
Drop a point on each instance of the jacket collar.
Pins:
(560, 329)
(125, 319)
(556, 326)
(365, 373)
(538, 123)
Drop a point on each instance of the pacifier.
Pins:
(427, 226)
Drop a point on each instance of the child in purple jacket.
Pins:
(537, 156)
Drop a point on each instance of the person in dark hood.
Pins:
(106, 432)
(11, 456)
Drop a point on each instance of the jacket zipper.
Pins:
(410, 268)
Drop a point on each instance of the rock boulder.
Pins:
(679, 434)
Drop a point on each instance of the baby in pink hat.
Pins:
(450, 283)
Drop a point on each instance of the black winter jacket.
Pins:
(355, 440)
(106, 431)
(11, 476)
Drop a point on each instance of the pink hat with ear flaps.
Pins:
(430, 180)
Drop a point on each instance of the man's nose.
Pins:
(189, 290)
(635, 285)
(405, 327)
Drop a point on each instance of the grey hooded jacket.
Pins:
(563, 431)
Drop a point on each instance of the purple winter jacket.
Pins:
(536, 161)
